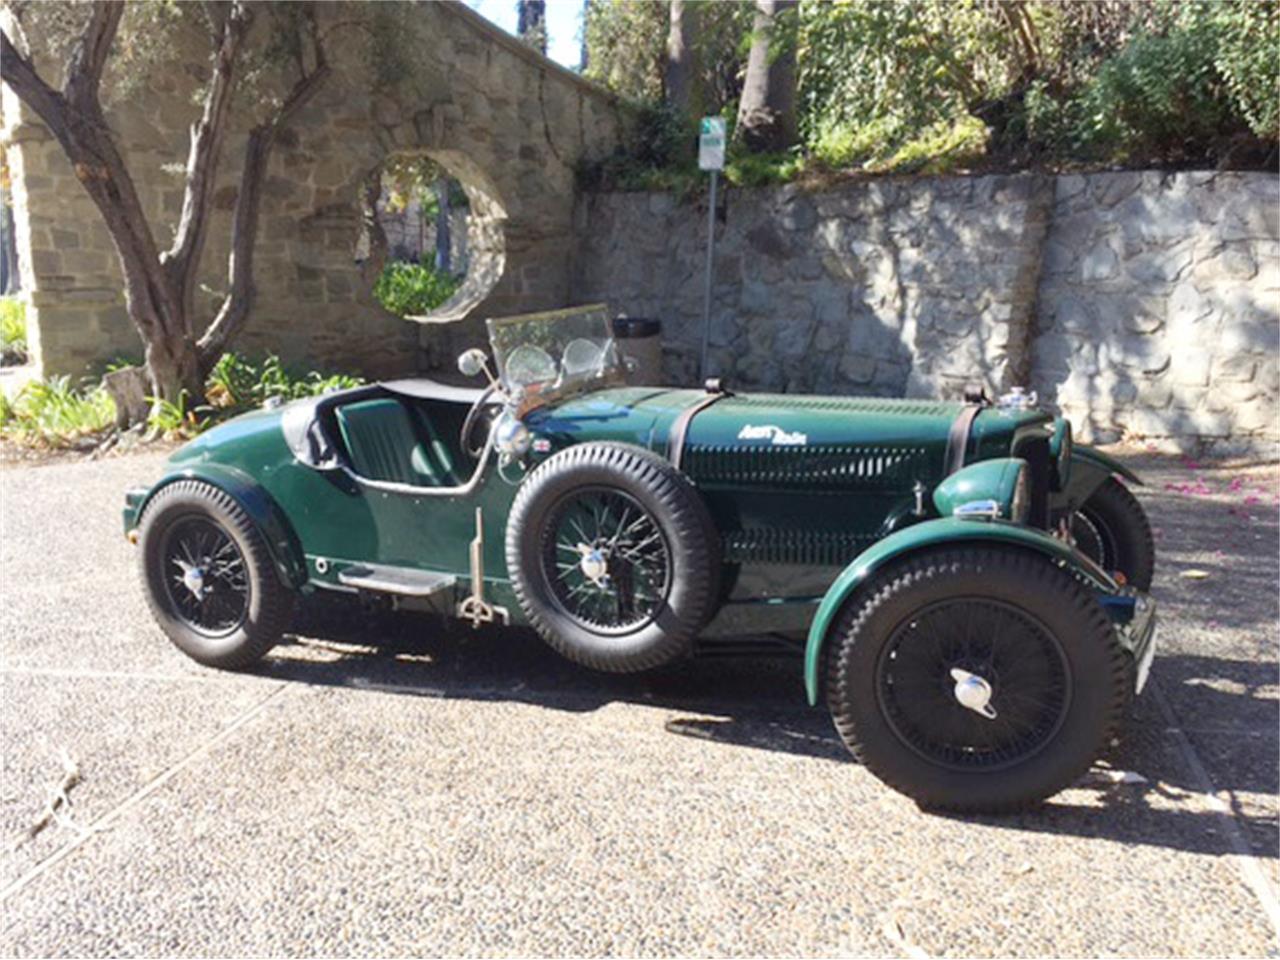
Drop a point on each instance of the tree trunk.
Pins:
(767, 110)
(158, 286)
(174, 368)
(682, 79)
(444, 241)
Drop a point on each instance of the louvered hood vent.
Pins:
(818, 442)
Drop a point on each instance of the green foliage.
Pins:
(13, 331)
(941, 148)
(177, 421)
(1248, 60)
(409, 289)
(938, 85)
(55, 413)
(1188, 81)
(762, 169)
(626, 46)
(237, 383)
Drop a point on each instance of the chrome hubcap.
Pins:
(594, 564)
(192, 578)
(973, 692)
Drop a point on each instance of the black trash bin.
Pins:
(639, 339)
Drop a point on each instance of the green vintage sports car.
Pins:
(968, 588)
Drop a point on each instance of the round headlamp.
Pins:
(511, 437)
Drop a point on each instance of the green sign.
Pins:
(711, 144)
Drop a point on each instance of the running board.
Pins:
(404, 581)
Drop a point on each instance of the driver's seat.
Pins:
(383, 445)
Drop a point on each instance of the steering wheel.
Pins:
(473, 418)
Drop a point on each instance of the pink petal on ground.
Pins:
(1250, 501)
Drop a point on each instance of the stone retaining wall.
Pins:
(1143, 305)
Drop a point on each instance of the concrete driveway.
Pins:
(388, 786)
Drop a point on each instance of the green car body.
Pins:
(800, 524)
(964, 583)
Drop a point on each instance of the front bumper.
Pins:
(1134, 616)
(1141, 637)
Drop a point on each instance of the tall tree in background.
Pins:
(531, 23)
(444, 212)
(767, 110)
(159, 285)
(683, 75)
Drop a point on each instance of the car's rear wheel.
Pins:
(1112, 529)
(209, 578)
(614, 557)
(981, 680)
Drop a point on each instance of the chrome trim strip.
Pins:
(388, 486)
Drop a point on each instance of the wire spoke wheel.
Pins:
(1020, 667)
(205, 576)
(1094, 540)
(606, 560)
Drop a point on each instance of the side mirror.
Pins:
(472, 362)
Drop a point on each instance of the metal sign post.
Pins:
(710, 157)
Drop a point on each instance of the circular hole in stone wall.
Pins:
(431, 236)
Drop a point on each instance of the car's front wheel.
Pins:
(1112, 529)
(209, 578)
(983, 680)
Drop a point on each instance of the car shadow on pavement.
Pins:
(759, 702)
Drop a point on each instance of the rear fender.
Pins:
(266, 514)
(922, 536)
(1089, 470)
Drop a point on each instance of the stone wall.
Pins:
(1158, 306)
(505, 121)
(1144, 305)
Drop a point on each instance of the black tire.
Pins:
(1112, 529)
(897, 710)
(677, 560)
(246, 608)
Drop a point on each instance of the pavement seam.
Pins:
(107, 819)
(78, 674)
(1246, 862)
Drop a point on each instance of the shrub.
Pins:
(13, 331)
(236, 382)
(55, 413)
(408, 289)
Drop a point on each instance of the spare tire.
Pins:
(614, 557)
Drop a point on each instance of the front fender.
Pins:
(921, 536)
(281, 542)
(1089, 469)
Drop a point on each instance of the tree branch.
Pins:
(84, 70)
(19, 73)
(235, 307)
(75, 119)
(182, 260)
